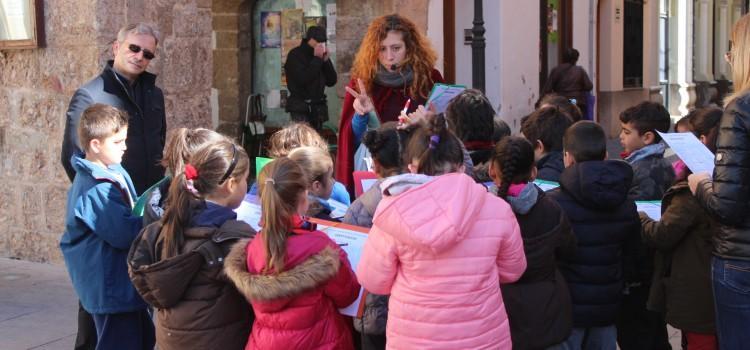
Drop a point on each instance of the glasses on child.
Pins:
(146, 53)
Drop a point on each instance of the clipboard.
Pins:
(351, 239)
(442, 94)
(360, 177)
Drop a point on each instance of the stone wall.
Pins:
(36, 86)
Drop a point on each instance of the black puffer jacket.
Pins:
(727, 196)
(594, 194)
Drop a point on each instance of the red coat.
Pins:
(297, 308)
(388, 105)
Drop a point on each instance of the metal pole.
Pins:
(477, 48)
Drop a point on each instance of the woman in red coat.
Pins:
(393, 65)
(295, 277)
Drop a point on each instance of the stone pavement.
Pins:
(38, 307)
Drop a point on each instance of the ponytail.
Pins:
(208, 167)
(183, 142)
(435, 148)
(513, 160)
(281, 184)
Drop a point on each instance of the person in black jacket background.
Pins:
(308, 71)
(125, 85)
(726, 197)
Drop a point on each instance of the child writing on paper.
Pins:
(318, 167)
(681, 286)
(440, 245)
(176, 263)
(99, 228)
(181, 144)
(538, 304)
(294, 276)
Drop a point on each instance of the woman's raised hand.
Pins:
(362, 101)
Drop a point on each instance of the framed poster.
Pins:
(270, 29)
(292, 31)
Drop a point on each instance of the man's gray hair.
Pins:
(138, 28)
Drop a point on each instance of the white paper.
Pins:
(695, 154)
(249, 211)
(546, 185)
(331, 22)
(339, 209)
(352, 242)
(367, 184)
(651, 208)
(273, 100)
(442, 94)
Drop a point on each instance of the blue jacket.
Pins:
(99, 229)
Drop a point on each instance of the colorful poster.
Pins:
(292, 31)
(270, 29)
(315, 21)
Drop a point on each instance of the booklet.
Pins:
(442, 94)
(352, 240)
(651, 208)
(692, 151)
(546, 185)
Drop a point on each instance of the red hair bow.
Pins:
(191, 173)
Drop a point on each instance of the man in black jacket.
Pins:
(124, 84)
(308, 71)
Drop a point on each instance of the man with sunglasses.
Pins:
(124, 84)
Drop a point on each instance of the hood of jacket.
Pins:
(598, 184)
(81, 165)
(162, 282)
(431, 213)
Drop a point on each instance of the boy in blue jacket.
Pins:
(99, 229)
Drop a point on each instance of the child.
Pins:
(538, 304)
(181, 143)
(645, 152)
(297, 135)
(176, 263)
(99, 228)
(470, 116)
(593, 193)
(683, 238)
(565, 105)
(318, 167)
(294, 276)
(544, 128)
(638, 327)
(440, 245)
(385, 145)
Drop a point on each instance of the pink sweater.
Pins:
(441, 250)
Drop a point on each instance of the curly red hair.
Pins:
(419, 53)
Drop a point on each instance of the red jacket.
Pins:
(297, 308)
(388, 105)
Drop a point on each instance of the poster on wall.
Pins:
(315, 21)
(331, 19)
(292, 31)
(270, 29)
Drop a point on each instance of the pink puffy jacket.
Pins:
(441, 249)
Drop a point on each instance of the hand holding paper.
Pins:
(694, 153)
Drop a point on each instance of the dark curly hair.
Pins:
(513, 159)
(470, 115)
(436, 148)
(647, 116)
(548, 125)
(386, 146)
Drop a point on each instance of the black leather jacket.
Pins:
(727, 196)
(147, 125)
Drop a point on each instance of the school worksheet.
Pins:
(651, 208)
(249, 211)
(692, 151)
(442, 94)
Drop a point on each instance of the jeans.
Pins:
(127, 330)
(731, 284)
(594, 338)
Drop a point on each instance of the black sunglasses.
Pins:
(146, 53)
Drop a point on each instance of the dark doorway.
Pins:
(555, 35)
(633, 44)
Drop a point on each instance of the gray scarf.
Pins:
(398, 79)
(525, 200)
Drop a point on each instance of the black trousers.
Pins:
(639, 328)
(86, 337)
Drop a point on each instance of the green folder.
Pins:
(140, 204)
(260, 162)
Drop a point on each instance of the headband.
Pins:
(231, 165)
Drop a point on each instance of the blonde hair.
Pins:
(740, 58)
(315, 162)
(98, 122)
(280, 184)
(293, 136)
(183, 142)
(419, 53)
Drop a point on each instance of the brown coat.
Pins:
(681, 286)
(197, 306)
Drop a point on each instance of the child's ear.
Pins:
(534, 172)
(412, 168)
(492, 172)
(648, 137)
(568, 159)
(316, 186)
(95, 145)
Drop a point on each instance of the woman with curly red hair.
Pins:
(394, 65)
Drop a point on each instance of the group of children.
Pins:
(449, 262)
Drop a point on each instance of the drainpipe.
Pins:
(477, 48)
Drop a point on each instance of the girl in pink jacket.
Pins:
(441, 245)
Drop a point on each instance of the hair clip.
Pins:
(434, 140)
(191, 188)
(271, 180)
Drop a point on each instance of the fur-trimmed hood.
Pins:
(303, 277)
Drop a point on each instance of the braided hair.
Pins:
(513, 158)
(436, 149)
